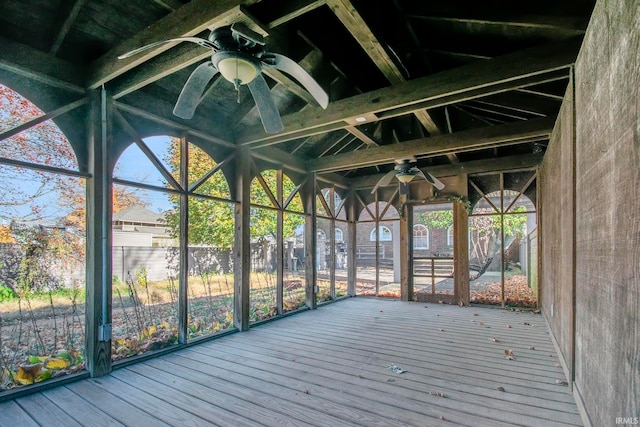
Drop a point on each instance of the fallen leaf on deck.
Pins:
(476, 314)
(481, 323)
(437, 393)
(396, 369)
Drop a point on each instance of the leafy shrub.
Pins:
(6, 293)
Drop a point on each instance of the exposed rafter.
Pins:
(351, 19)
(523, 161)
(463, 83)
(568, 27)
(37, 65)
(300, 7)
(68, 15)
(511, 133)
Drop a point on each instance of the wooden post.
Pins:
(242, 245)
(183, 279)
(461, 253)
(310, 240)
(279, 245)
(502, 245)
(98, 245)
(377, 251)
(332, 243)
(351, 245)
(406, 251)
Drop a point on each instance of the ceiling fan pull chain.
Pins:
(237, 82)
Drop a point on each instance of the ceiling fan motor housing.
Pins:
(227, 40)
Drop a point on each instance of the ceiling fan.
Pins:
(405, 173)
(240, 55)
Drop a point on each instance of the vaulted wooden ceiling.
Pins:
(462, 86)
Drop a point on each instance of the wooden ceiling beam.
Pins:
(356, 25)
(37, 65)
(522, 161)
(170, 5)
(464, 55)
(467, 82)
(568, 26)
(280, 158)
(541, 94)
(156, 68)
(486, 137)
(514, 102)
(68, 15)
(299, 8)
(189, 20)
(156, 110)
(362, 136)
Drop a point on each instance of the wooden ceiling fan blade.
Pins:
(197, 40)
(284, 64)
(385, 180)
(429, 178)
(267, 109)
(193, 89)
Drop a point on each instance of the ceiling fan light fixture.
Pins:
(404, 177)
(237, 70)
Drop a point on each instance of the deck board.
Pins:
(329, 367)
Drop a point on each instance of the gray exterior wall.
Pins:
(162, 262)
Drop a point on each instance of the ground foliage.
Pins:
(517, 293)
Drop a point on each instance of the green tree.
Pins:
(437, 219)
(211, 222)
(264, 221)
(485, 230)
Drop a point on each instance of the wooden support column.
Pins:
(310, 240)
(351, 244)
(377, 251)
(98, 246)
(279, 245)
(332, 258)
(406, 251)
(460, 253)
(183, 279)
(242, 245)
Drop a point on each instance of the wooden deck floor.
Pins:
(329, 367)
